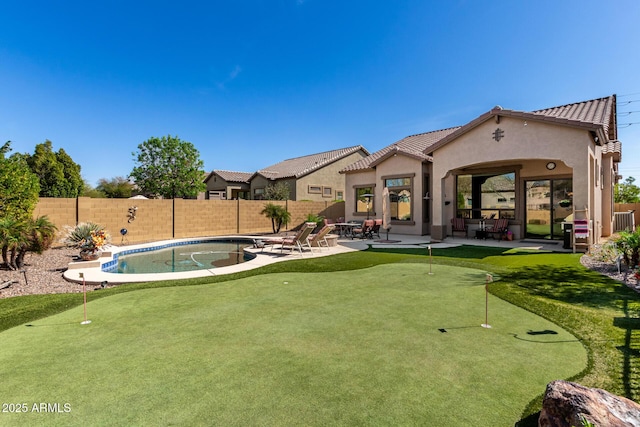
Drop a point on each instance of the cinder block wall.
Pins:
(179, 218)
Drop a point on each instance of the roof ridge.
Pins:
(354, 148)
(574, 103)
(431, 131)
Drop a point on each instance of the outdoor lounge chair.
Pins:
(500, 227)
(458, 226)
(320, 239)
(300, 240)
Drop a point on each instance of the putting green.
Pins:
(388, 345)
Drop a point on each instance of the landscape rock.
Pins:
(566, 403)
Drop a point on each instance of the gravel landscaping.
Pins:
(43, 274)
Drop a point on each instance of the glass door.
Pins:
(548, 204)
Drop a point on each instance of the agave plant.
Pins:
(76, 236)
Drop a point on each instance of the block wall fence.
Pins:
(178, 218)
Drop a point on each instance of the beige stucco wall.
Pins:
(327, 176)
(360, 179)
(403, 166)
(526, 147)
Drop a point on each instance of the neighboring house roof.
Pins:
(412, 146)
(231, 176)
(597, 115)
(300, 166)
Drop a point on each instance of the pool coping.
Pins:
(91, 273)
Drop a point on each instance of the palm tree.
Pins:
(19, 237)
(39, 235)
(278, 214)
(7, 240)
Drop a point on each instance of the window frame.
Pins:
(409, 186)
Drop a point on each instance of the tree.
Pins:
(627, 192)
(17, 237)
(116, 188)
(89, 191)
(278, 215)
(168, 167)
(58, 174)
(19, 187)
(278, 191)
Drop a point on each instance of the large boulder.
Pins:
(566, 403)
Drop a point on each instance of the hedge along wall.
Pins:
(179, 218)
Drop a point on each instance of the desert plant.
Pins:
(628, 243)
(318, 219)
(76, 236)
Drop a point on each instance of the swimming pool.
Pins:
(180, 256)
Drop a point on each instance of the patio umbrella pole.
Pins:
(486, 302)
(430, 272)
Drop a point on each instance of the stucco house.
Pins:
(315, 177)
(538, 169)
(223, 185)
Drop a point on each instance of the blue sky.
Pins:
(251, 83)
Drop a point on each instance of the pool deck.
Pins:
(91, 273)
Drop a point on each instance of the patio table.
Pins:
(345, 229)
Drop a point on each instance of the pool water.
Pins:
(186, 257)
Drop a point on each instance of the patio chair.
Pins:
(320, 238)
(300, 240)
(458, 226)
(500, 226)
(364, 231)
(376, 227)
(328, 221)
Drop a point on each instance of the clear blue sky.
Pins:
(251, 83)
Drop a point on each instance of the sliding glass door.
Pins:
(549, 202)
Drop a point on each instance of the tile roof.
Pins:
(231, 176)
(599, 112)
(300, 166)
(413, 146)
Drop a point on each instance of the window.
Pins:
(258, 194)
(315, 189)
(339, 195)
(400, 197)
(364, 203)
(489, 195)
(327, 192)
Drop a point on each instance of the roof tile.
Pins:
(301, 166)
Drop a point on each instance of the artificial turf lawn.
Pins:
(342, 348)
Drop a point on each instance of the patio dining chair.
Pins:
(377, 224)
(364, 231)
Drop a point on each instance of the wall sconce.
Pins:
(426, 196)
